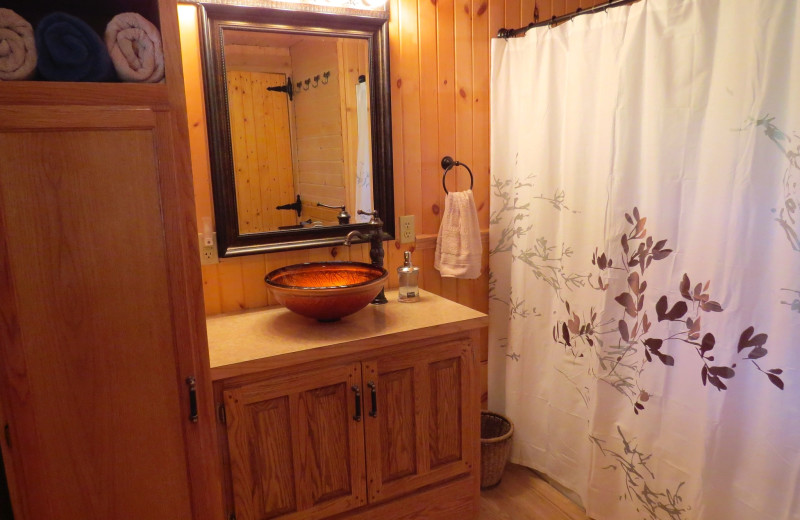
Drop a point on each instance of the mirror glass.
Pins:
(299, 129)
(299, 118)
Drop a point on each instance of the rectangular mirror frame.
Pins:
(214, 18)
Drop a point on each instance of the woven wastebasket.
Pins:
(496, 432)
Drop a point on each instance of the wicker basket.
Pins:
(496, 432)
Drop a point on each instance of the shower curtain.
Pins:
(645, 257)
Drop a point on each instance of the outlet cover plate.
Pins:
(208, 253)
(407, 232)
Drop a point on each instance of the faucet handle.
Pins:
(374, 214)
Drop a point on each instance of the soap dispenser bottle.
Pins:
(408, 276)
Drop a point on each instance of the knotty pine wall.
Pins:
(440, 67)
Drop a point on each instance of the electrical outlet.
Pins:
(208, 251)
(407, 233)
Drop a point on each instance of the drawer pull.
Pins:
(357, 391)
(374, 394)
(192, 384)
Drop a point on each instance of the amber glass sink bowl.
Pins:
(326, 291)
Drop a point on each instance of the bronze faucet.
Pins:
(375, 237)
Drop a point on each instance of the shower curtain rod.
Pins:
(510, 33)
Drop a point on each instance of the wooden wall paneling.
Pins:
(429, 217)
(559, 7)
(410, 76)
(497, 16)
(526, 11)
(253, 287)
(571, 6)
(481, 67)
(396, 82)
(545, 9)
(231, 284)
(211, 295)
(464, 110)
(447, 104)
(513, 11)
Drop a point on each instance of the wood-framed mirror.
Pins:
(299, 123)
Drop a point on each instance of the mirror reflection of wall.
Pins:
(315, 145)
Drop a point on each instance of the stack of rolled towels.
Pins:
(65, 48)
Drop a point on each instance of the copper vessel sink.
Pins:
(326, 291)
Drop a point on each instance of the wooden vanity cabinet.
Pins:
(390, 433)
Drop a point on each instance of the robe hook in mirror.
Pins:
(307, 82)
(325, 77)
(448, 163)
(316, 81)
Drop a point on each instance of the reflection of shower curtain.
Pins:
(364, 159)
(645, 262)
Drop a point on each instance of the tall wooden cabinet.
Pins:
(105, 400)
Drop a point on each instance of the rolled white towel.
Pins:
(135, 48)
(17, 47)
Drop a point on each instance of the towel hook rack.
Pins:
(448, 163)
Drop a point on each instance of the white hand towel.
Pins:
(17, 47)
(135, 48)
(458, 246)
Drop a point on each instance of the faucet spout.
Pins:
(348, 240)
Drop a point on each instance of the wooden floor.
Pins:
(522, 495)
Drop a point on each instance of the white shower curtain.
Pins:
(645, 260)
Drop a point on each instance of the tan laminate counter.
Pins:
(275, 337)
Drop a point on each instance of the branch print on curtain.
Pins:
(645, 257)
(632, 346)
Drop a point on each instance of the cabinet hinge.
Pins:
(232, 516)
(221, 416)
(7, 435)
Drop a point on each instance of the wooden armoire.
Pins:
(105, 402)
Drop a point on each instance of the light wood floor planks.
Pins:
(523, 495)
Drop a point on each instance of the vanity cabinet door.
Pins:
(420, 417)
(296, 445)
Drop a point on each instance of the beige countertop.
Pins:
(269, 338)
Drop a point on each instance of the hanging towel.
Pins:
(70, 50)
(458, 246)
(17, 47)
(135, 48)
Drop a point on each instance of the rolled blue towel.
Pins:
(70, 50)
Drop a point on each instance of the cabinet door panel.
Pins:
(397, 424)
(422, 426)
(296, 450)
(446, 404)
(90, 349)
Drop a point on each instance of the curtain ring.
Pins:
(448, 163)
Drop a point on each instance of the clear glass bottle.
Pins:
(408, 276)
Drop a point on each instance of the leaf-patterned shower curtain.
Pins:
(645, 257)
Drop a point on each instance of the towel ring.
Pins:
(448, 163)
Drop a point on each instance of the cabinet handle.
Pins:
(192, 383)
(374, 394)
(357, 391)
